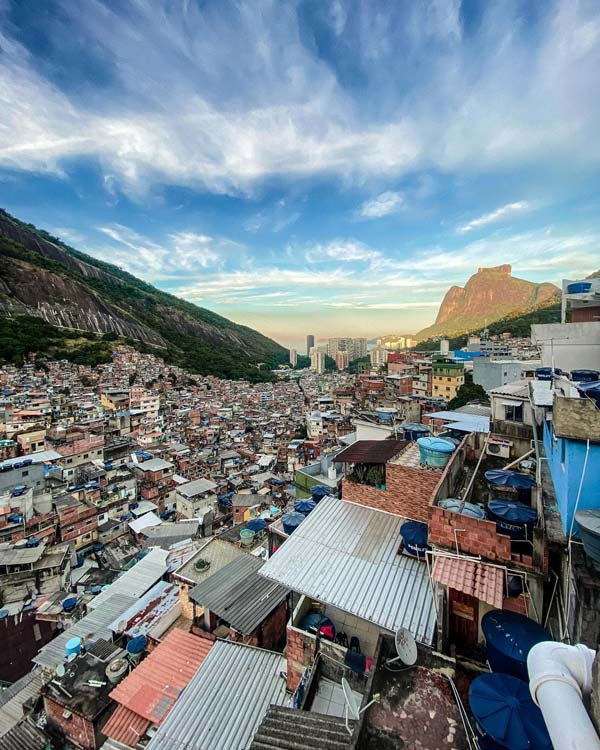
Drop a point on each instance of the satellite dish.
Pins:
(353, 708)
(60, 670)
(406, 647)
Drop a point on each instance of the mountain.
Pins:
(489, 295)
(43, 277)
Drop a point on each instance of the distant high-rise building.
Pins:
(317, 362)
(310, 344)
(379, 356)
(342, 361)
(293, 357)
(355, 347)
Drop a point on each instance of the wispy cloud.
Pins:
(384, 204)
(500, 214)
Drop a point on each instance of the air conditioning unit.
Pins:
(499, 448)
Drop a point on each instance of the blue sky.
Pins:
(327, 167)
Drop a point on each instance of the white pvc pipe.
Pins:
(559, 676)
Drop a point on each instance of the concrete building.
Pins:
(317, 362)
(310, 344)
(446, 378)
(342, 360)
(379, 357)
(293, 357)
(355, 347)
(494, 373)
(568, 345)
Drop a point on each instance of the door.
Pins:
(464, 618)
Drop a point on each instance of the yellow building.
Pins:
(446, 378)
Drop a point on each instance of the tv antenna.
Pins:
(406, 648)
(353, 710)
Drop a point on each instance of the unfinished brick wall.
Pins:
(77, 728)
(301, 650)
(408, 493)
(270, 634)
(474, 536)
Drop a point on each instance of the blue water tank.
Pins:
(591, 390)
(460, 506)
(435, 451)
(304, 506)
(137, 645)
(415, 430)
(543, 373)
(509, 637)
(319, 491)
(414, 535)
(73, 646)
(291, 521)
(69, 603)
(33, 542)
(585, 376)
(512, 517)
(96, 589)
(505, 715)
(579, 287)
(256, 525)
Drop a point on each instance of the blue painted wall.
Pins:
(565, 459)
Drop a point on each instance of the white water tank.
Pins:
(116, 670)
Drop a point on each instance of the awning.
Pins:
(484, 582)
(511, 402)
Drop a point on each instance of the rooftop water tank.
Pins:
(435, 451)
(136, 647)
(415, 430)
(256, 525)
(304, 506)
(514, 479)
(291, 521)
(414, 535)
(247, 537)
(69, 603)
(512, 517)
(509, 637)
(460, 506)
(585, 376)
(591, 390)
(116, 670)
(589, 531)
(33, 541)
(319, 491)
(506, 718)
(543, 373)
(73, 646)
(579, 287)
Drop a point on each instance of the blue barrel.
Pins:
(319, 491)
(543, 373)
(256, 525)
(579, 287)
(509, 638)
(73, 646)
(291, 521)
(512, 517)
(459, 506)
(435, 451)
(414, 535)
(33, 541)
(137, 645)
(69, 603)
(304, 506)
(591, 390)
(506, 718)
(414, 430)
(585, 376)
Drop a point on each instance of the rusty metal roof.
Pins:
(370, 451)
(155, 684)
(484, 582)
(126, 726)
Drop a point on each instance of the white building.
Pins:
(317, 362)
(293, 357)
(379, 357)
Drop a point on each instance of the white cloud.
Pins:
(500, 214)
(384, 204)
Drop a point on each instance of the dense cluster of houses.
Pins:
(320, 561)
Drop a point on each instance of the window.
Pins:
(24, 473)
(513, 413)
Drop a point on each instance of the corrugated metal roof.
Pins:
(196, 487)
(370, 451)
(94, 625)
(346, 555)
(239, 595)
(150, 600)
(137, 580)
(484, 582)
(226, 700)
(24, 736)
(217, 552)
(155, 684)
(301, 730)
(13, 698)
(125, 726)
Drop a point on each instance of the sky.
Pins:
(321, 166)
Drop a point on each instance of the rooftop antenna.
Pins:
(353, 710)
(406, 648)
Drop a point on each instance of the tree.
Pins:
(468, 392)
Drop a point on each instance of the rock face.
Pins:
(41, 276)
(490, 294)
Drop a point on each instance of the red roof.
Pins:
(126, 726)
(484, 582)
(154, 685)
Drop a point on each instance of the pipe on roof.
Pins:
(559, 676)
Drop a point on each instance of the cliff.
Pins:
(43, 277)
(489, 295)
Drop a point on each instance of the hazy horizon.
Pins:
(308, 167)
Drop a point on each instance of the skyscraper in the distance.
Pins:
(310, 343)
(293, 357)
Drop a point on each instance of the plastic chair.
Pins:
(355, 645)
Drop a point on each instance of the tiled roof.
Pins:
(484, 582)
(284, 728)
(370, 451)
(126, 726)
(155, 684)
